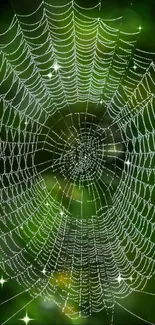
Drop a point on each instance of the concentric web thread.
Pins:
(77, 158)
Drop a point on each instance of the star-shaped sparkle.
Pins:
(50, 75)
(44, 271)
(128, 162)
(61, 213)
(134, 67)
(119, 279)
(2, 281)
(26, 319)
(56, 66)
(140, 28)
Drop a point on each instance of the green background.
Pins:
(138, 12)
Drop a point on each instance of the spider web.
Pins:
(77, 158)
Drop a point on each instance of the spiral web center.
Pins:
(84, 158)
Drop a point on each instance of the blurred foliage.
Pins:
(136, 12)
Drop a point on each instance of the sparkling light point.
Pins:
(2, 281)
(134, 67)
(50, 75)
(119, 279)
(26, 319)
(61, 213)
(140, 28)
(127, 162)
(56, 66)
(44, 271)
